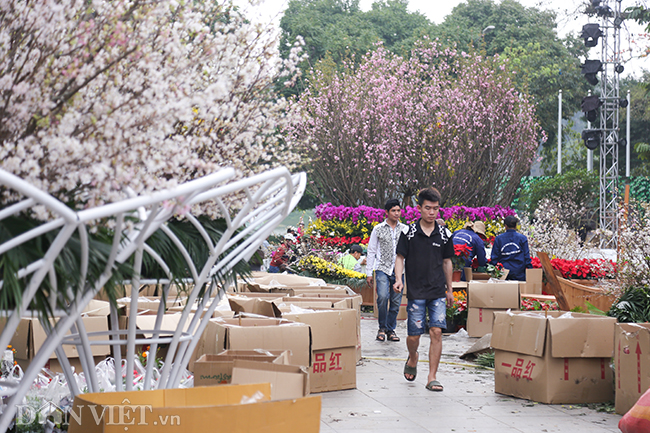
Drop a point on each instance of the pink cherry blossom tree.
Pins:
(98, 97)
(440, 118)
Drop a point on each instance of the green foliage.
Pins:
(485, 359)
(525, 39)
(639, 123)
(577, 186)
(639, 188)
(67, 265)
(632, 306)
(643, 149)
(339, 30)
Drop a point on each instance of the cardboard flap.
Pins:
(287, 381)
(582, 336)
(259, 306)
(169, 322)
(522, 333)
(329, 328)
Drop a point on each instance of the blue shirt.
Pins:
(511, 250)
(469, 237)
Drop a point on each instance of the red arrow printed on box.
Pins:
(638, 365)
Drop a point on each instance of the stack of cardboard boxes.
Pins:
(484, 298)
(319, 325)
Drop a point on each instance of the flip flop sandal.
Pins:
(381, 336)
(410, 370)
(434, 386)
(392, 336)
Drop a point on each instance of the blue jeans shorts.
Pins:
(416, 314)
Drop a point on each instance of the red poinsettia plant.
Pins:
(588, 269)
(461, 253)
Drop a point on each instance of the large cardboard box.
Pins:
(255, 333)
(287, 381)
(30, 336)
(502, 294)
(632, 364)
(210, 370)
(534, 282)
(194, 410)
(553, 357)
(334, 348)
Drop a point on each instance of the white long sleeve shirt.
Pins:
(382, 246)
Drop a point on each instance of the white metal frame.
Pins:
(266, 198)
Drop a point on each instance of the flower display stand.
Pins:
(569, 294)
(263, 201)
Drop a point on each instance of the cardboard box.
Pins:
(255, 333)
(210, 370)
(287, 381)
(334, 344)
(503, 295)
(194, 410)
(352, 301)
(533, 281)
(632, 364)
(480, 321)
(30, 336)
(553, 357)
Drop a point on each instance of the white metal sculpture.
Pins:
(265, 200)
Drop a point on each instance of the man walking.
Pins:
(511, 250)
(381, 267)
(427, 248)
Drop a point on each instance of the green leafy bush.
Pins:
(632, 306)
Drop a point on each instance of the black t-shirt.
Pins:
(424, 255)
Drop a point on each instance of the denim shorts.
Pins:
(416, 314)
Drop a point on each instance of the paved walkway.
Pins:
(385, 402)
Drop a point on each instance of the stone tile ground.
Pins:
(385, 402)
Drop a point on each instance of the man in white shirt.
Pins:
(381, 267)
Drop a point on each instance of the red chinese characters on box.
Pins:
(321, 365)
(519, 371)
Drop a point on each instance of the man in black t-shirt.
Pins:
(426, 250)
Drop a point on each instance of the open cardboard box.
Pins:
(30, 336)
(210, 370)
(244, 333)
(553, 357)
(194, 410)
